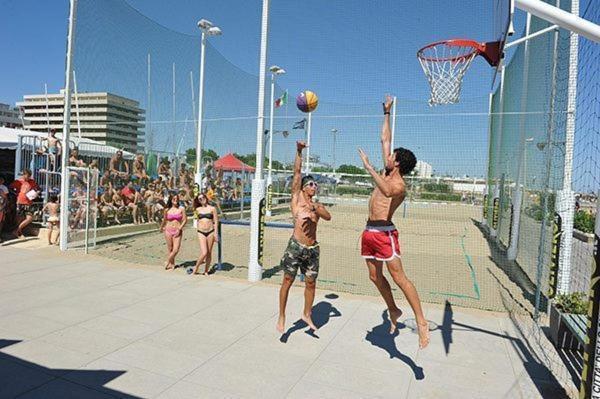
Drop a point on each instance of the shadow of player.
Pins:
(380, 337)
(321, 313)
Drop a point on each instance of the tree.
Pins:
(190, 155)
(351, 169)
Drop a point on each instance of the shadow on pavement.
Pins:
(321, 313)
(380, 337)
(53, 383)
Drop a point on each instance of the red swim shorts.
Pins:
(380, 243)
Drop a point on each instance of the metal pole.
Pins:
(149, 141)
(173, 134)
(18, 155)
(87, 210)
(193, 100)
(393, 125)
(64, 184)
(77, 105)
(308, 142)
(486, 194)
(257, 220)
(496, 192)
(270, 175)
(200, 110)
(47, 107)
(517, 198)
(541, 261)
(566, 196)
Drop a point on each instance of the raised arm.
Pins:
(386, 132)
(387, 188)
(322, 212)
(296, 183)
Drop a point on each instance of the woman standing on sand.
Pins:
(173, 222)
(208, 220)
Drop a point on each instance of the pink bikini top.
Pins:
(177, 217)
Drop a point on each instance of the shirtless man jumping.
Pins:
(302, 251)
(380, 237)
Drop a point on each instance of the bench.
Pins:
(574, 338)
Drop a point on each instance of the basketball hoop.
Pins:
(446, 62)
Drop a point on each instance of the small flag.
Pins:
(299, 124)
(281, 100)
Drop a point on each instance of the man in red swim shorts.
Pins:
(380, 238)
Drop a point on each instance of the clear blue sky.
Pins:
(348, 53)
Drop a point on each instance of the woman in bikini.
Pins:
(173, 222)
(208, 220)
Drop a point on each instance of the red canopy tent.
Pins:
(229, 163)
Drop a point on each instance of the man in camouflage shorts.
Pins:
(302, 251)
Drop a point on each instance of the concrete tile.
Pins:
(304, 390)
(18, 378)
(148, 315)
(64, 390)
(358, 379)
(187, 390)
(29, 326)
(157, 360)
(55, 359)
(109, 376)
(119, 327)
(148, 286)
(68, 314)
(86, 341)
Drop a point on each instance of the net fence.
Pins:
(470, 153)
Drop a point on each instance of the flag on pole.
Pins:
(281, 100)
(300, 124)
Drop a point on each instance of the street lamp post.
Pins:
(208, 29)
(334, 131)
(527, 141)
(275, 70)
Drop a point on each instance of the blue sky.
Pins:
(349, 54)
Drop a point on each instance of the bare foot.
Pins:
(394, 316)
(281, 324)
(308, 320)
(423, 330)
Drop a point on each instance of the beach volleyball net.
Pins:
(458, 220)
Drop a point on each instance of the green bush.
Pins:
(342, 190)
(437, 188)
(576, 303)
(441, 197)
(584, 221)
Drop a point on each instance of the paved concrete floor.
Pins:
(76, 326)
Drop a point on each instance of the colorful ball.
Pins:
(307, 101)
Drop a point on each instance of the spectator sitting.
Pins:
(27, 190)
(118, 166)
(75, 159)
(183, 175)
(105, 180)
(139, 169)
(107, 206)
(165, 173)
(128, 195)
(3, 203)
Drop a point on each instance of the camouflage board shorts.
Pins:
(298, 256)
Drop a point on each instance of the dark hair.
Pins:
(170, 200)
(53, 198)
(26, 171)
(306, 179)
(197, 203)
(406, 160)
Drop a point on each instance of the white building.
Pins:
(423, 169)
(10, 116)
(104, 117)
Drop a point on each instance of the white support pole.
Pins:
(77, 106)
(517, 198)
(308, 128)
(149, 138)
(496, 192)
(257, 220)
(567, 20)
(270, 175)
(486, 202)
(64, 183)
(87, 209)
(566, 196)
(18, 156)
(393, 125)
(193, 100)
(173, 118)
(200, 111)
(47, 107)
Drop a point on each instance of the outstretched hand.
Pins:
(387, 104)
(364, 158)
(300, 145)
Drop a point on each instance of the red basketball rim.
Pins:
(477, 48)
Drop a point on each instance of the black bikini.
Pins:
(206, 216)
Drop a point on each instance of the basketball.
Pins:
(307, 101)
